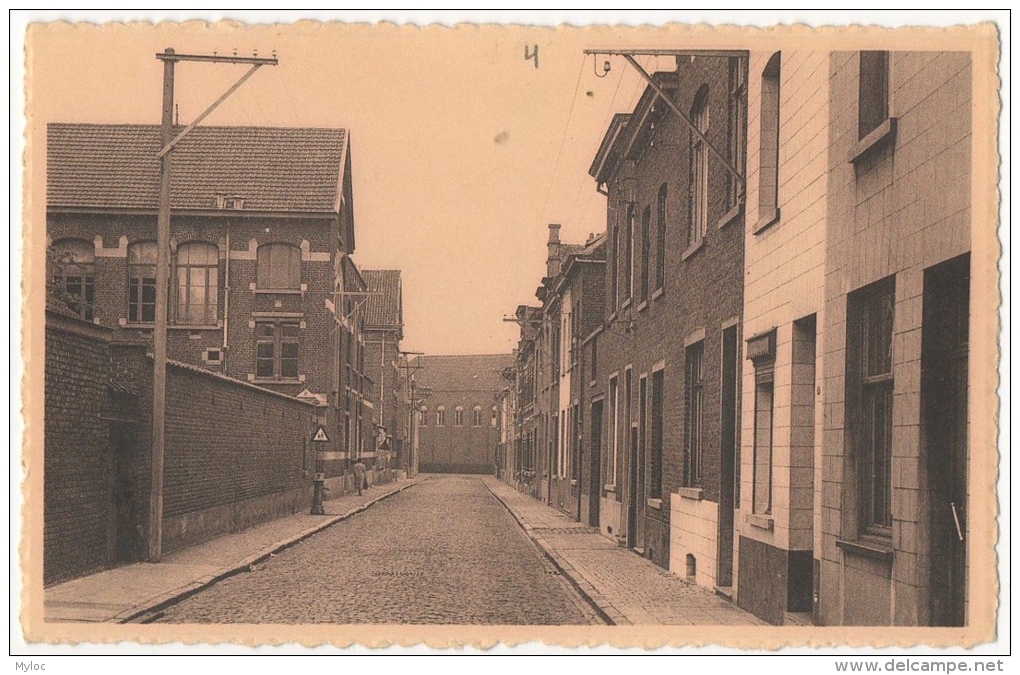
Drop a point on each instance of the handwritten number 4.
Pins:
(531, 54)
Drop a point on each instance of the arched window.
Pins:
(768, 154)
(279, 267)
(698, 224)
(441, 417)
(423, 416)
(493, 417)
(476, 416)
(73, 274)
(198, 275)
(141, 262)
(458, 416)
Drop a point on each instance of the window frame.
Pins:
(872, 387)
(655, 443)
(278, 340)
(646, 252)
(694, 367)
(736, 129)
(768, 142)
(142, 287)
(266, 274)
(210, 285)
(65, 257)
(873, 95)
(660, 250)
(698, 168)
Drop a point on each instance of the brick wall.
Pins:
(77, 462)
(459, 449)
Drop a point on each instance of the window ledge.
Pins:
(886, 131)
(655, 503)
(592, 383)
(625, 304)
(731, 215)
(187, 326)
(277, 291)
(766, 218)
(642, 307)
(270, 380)
(693, 248)
(694, 493)
(760, 521)
(148, 325)
(573, 482)
(611, 487)
(658, 293)
(869, 547)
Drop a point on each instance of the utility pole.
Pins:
(169, 58)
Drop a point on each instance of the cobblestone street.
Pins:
(444, 552)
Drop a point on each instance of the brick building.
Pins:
(262, 287)
(572, 306)
(668, 355)
(457, 423)
(384, 329)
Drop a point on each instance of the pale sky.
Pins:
(463, 151)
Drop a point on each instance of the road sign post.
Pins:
(318, 509)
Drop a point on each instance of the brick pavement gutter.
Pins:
(605, 609)
(149, 609)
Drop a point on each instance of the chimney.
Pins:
(553, 259)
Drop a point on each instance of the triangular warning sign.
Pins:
(320, 436)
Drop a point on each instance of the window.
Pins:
(73, 275)
(279, 267)
(276, 350)
(142, 282)
(441, 417)
(655, 455)
(873, 95)
(594, 359)
(768, 153)
(476, 416)
(870, 373)
(198, 274)
(458, 416)
(736, 128)
(660, 238)
(423, 416)
(628, 260)
(761, 350)
(614, 270)
(493, 417)
(698, 221)
(646, 250)
(695, 412)
(614, 426)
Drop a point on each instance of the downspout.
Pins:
(226, 303)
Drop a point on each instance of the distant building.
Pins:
(457, 424)
(262, 286)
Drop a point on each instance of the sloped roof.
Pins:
(100, 166)
(384, 307)
(464, 373)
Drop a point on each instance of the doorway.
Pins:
(727, 457)
(944, 373)
(595, 477)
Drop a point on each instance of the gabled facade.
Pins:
(458, 422)
(384, 329)
(262, 287)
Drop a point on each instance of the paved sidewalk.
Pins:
(124, 593)
(626, 588)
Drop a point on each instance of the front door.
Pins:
(944, 366)
(595, 477)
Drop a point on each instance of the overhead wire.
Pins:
(563, 136)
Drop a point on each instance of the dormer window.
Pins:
(230, 202)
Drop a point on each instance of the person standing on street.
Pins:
(359, 475)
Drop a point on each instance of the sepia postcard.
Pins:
(375, 334)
